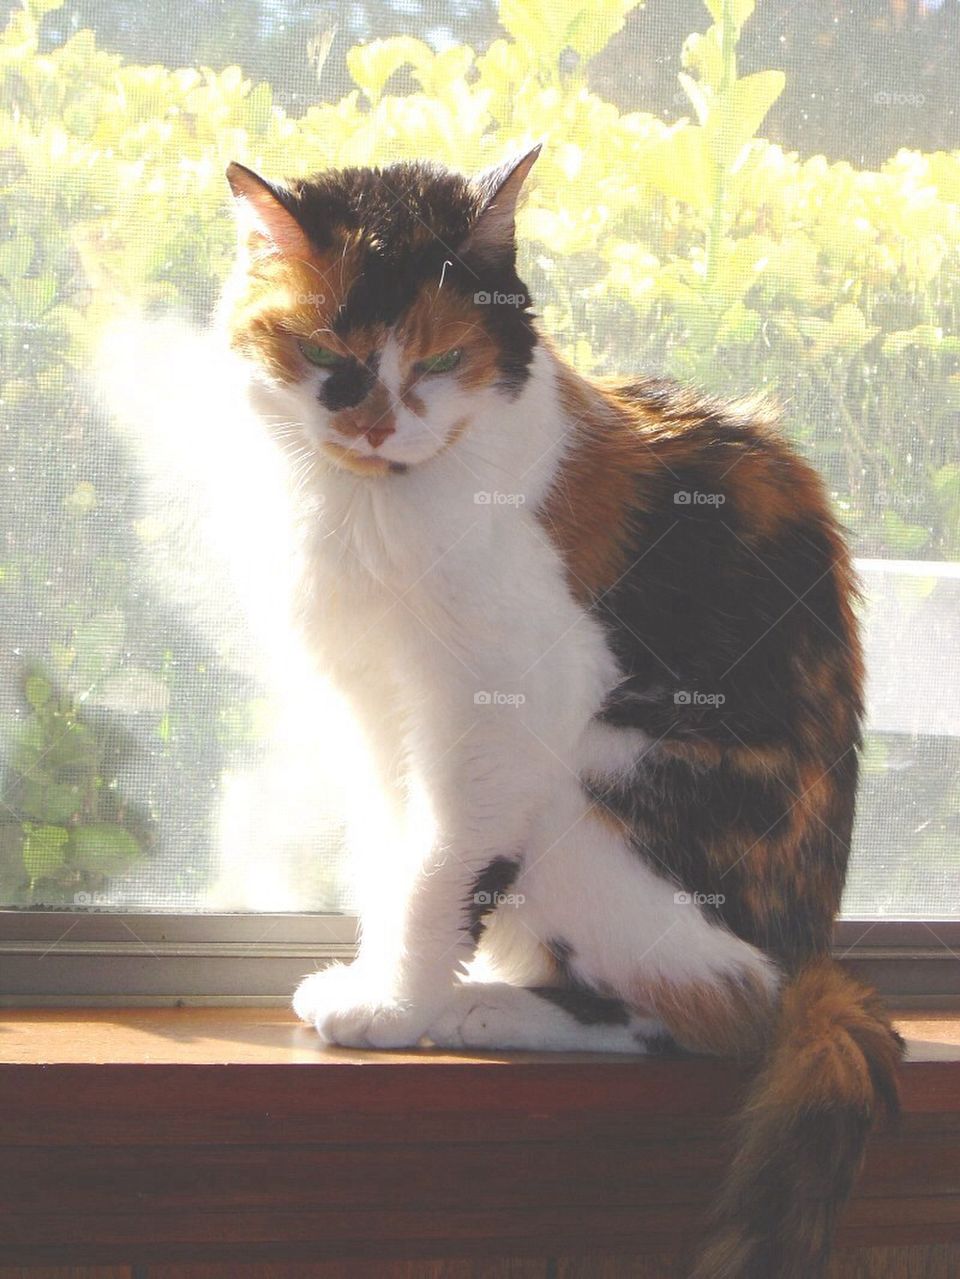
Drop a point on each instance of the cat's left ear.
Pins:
(493, 235)
(262, 213)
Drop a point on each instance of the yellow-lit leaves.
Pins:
(737, 113)
(737, 10)
(371, 65)
(551, 26)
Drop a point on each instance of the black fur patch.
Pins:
(585, 1006)
(347, 385)
(735, 643)
(412, 221)
(678, 813)
(575, 996)
(708, 635)
(491, 883)
(661, 1045)
(562, 953)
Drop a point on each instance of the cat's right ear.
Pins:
(262, 213)
(493, 235)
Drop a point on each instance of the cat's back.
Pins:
(731, 496)
(705, 544)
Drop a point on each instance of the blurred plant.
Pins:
(696, 248)
(71, 830)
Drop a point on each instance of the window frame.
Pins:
(85, 958)
(80, 958)
(150, 957)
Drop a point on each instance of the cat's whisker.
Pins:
(484, 460)
(343, 258)
(464, 329)
(311, 266)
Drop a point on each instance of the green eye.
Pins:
(441, 363)
(321, 356)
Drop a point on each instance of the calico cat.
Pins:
(604, 630)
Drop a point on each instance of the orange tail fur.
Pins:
(830, 1073)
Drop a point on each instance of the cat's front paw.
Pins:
(348, 1009)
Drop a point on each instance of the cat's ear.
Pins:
(492, 237)
(262, 214)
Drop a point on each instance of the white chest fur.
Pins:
(445, 578)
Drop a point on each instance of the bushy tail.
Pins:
(830, 1072)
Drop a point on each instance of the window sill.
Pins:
(158, 1135)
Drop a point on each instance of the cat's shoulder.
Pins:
(735, 453)
(661, 480)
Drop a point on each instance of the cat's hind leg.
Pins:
(548, 1019)
(620, 929)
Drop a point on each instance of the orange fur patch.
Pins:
(831, 1071)
(771, 495)
(834, 1040)
(730, 1017)
(456, 431)
(607, 817)
(282, 299)
(438, 321)
(586, 510)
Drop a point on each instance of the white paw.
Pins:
(483, 1016)
(497, 1015)
(348, 1009)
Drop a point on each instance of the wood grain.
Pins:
(235, 1036)
(448, 1269)
(65, 1272)
(621, 1268)
(187, 1137)
(933, 1262)
(869, 1263)
(923, 1262)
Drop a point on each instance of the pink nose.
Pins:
(377, 434)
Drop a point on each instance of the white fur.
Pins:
(627, 925)
(441, 608)
(500, 1015)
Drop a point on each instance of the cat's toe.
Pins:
(481, 1016)
(348, 1011)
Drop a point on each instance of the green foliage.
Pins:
(698, 249)
(71, 830)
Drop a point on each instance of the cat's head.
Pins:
(382, 306)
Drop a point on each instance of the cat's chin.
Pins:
(371, 464)
(360, 464)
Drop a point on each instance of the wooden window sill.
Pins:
(195, 1134)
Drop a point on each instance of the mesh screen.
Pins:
(743, 195)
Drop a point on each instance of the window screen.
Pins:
(744, 195)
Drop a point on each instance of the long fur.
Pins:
(600, 636)
(830, 1074)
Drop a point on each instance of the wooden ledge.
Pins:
(213, 1134)
(273, 1036)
